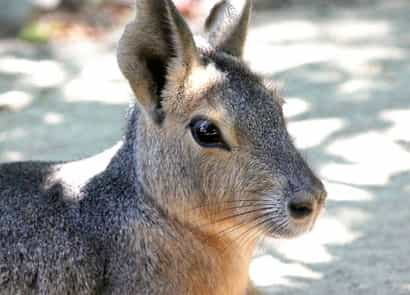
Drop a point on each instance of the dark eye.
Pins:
(206, 133)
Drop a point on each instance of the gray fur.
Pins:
(227, 26)
(145, 216)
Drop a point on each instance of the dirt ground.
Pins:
(345, 71)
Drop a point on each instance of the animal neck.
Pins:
(208, 262)
(227, 258)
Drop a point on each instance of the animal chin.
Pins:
(300, 229)
(290, 230)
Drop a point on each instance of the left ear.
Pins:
(156, 47)
(227, 26)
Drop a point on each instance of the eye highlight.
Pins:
(207, 134)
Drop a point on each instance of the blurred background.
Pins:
(344, 69)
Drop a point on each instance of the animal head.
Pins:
(213, 148)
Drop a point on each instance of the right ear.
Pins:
(227, 26)
(155, 42)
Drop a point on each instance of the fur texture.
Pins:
(159, 213)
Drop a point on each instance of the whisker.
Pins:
(218, 203)
(266, 217)
(232, 228)
(224, 209)
(278, 227)
(255, 235)
(242, 223)
(238, 215)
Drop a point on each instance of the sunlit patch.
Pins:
(266, 271)
(15, 100)
(13, 65)
(354, 85)
(357, 174)
(310, 133)
(295, 106)
(329, 230)
(43, 73)
(111, 72)
(100, 81)
(312, 252)
(290, 55)
(81, 89)
(47, 4)
(288, 38)
(282, 31)
(350, 59)
(336, 229)
(353, 30)
(364, 152)
(360, 60)
(12, 156)
(406, 287)
(401, 122)
(344, 192)
(47, 74)
(53, 118)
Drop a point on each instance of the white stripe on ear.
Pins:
(227, 26)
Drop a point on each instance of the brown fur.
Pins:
(163, 212)
(193, 87)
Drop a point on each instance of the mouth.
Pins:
(297, 220)
(250, 219)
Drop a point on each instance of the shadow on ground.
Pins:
(345, 71)
(59, 102)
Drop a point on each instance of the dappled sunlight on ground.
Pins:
(100, 80)
(53, 118)
(308, 249)
(13, 155)
(345, 192)
(15, 100)
(43, 73)
(399, 129)
(345, 74)
(363, 151)
(328, 231)
(309, 37)
(295, 106)
(55, 101)
(309, 129)
(262, 272)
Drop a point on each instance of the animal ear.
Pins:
(154, 45)
(227, 26)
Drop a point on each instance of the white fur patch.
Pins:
(74, 175)
(204, 77)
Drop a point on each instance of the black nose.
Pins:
(303, 204)
(301, 209)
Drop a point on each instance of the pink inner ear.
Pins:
(186, 7)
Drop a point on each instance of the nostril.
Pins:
(299, 210)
